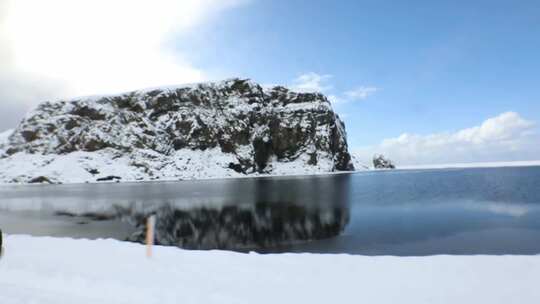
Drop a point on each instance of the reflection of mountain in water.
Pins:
(236, 227)
(248, 213)
(265, 213)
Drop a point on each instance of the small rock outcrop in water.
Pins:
(228, 128)
(380, 162)
(40, 180)
(233, 227)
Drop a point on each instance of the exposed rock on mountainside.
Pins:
(229, 128)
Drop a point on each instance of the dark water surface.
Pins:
(454, 211)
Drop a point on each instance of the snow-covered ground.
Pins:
(53, 271)
(77, 167)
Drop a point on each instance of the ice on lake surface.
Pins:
(423, 212)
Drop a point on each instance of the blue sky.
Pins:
(440, 66)
(439, 73)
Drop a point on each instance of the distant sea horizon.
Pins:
(527, 163)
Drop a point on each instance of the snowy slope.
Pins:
(53, 271)
(207, 130)
(4, 136)
(359, 165)
(4, 140)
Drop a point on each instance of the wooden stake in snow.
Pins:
(1, 248)
(150, 223)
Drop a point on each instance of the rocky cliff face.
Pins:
(228, 128)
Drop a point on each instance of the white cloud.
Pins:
(334, 99)
(60, 48)
(506, 137)
(360, 93)
(312, 82)
(507, 209)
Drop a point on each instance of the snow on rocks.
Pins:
(52, 270)
(4, 141)
(210, 130)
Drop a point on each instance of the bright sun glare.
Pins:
(101, 46)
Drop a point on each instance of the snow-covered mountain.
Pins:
(207, 130)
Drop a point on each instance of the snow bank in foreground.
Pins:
(51, 271)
